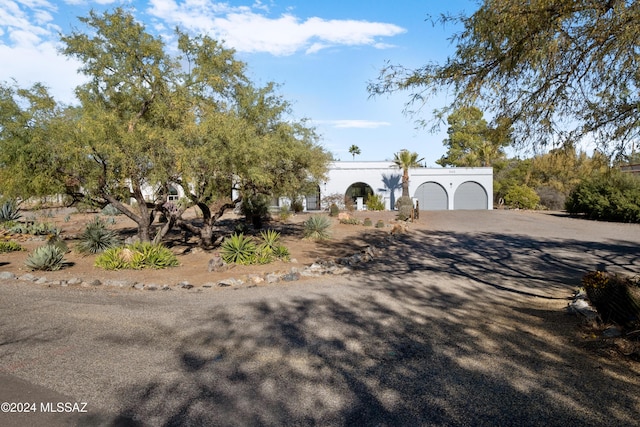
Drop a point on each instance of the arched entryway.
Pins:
(470, 195)
(432, 197)
(359, 189)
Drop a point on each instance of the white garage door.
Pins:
(470, 195)
(432, 197)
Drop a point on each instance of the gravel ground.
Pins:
(461, 322)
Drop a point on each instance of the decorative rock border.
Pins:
(339, 266)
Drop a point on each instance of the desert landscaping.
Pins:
(461, 320)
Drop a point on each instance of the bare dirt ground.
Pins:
(346, 239)
(460, 322)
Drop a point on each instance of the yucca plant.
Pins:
(9, 211)
(97, 238)
(10, 247)
(238, 249)
(317, 228)
(47, 258)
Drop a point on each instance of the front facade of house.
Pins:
(431, 188)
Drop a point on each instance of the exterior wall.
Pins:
(386, 180)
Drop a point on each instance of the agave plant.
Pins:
(9, 211)
(136, 256)
(270, 238)
(238, 249)
(47, 257)
(97, 238)
(317, 227)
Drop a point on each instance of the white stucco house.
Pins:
(430, 188)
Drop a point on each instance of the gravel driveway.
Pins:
(461, 322)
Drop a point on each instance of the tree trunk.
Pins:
(209, 219)
(143, 220)
(405, 183)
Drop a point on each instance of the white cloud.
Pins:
(250, 30)
(29, 38)
(351, 124)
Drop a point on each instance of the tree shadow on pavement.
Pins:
(447, 329)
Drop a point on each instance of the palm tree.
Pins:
(404, 159)
(354, 150)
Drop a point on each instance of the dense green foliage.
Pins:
(471, 142)
(522, 197)
(557, 70)
(46, 257)
(154, 116)
(614, 196)
(375, 203)
(97, 238)
(316, 227)
(137, 256)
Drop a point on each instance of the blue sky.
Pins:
(323, 53)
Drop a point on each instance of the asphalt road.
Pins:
(461, 322)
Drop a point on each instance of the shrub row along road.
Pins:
(461, 323)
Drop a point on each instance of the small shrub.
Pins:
(97, 238)
(10, 247)
(522, 197)
(256, 209)
(297, 206)
(367, 222)
(551, 198)
(238, 249)
(380, 224)
(9, 211)
(349, 204)
(284, 213)
(616, 297)
(350, 220)
(46, 258)
(375, 203)
(136, 256)
(334, 199)
(334, 210)
(317, 228)
(35, 228)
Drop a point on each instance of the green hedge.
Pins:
(614, 196)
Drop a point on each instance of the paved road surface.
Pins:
(460, 323)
